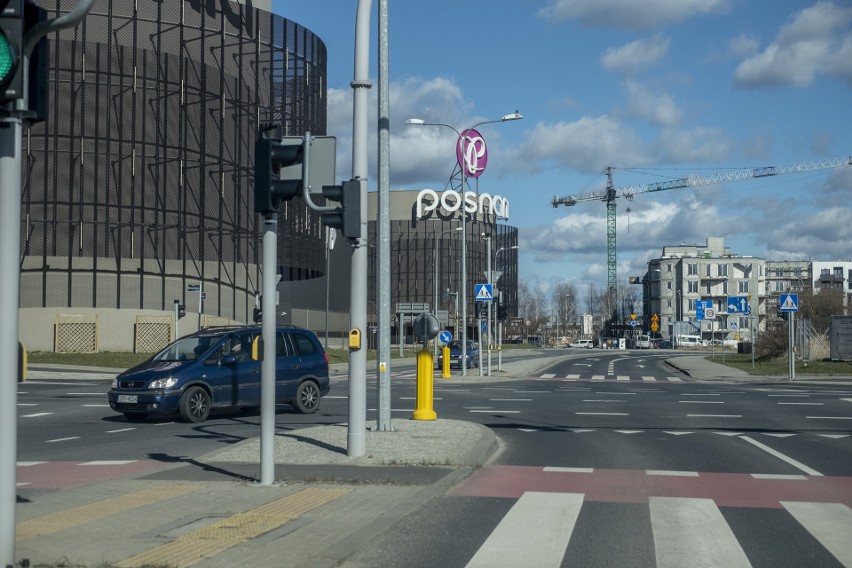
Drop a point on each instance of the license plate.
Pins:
(129, 398)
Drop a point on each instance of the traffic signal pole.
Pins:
(10, 247)
(11, 130)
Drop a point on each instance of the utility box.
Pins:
(840, 336)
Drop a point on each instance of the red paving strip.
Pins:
(61, 475)
(635, 486)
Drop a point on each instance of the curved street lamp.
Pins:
(462, 150)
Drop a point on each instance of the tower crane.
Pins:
(611, 193)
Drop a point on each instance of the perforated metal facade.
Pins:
(140, 180)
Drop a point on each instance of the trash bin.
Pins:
(744, 347)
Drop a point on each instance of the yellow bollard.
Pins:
(445, 363)
(425, 396)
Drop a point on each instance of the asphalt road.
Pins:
(590, 472)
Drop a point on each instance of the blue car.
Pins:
(456, 354)
(215, 368)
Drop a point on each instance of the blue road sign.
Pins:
(789, 303)
(483, 293)
(701, 306)
(738, 305)
(483, 326)
(445, 337)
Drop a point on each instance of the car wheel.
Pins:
(194, 405)
(307, 397)
(136, 416)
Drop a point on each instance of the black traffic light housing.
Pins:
(347, 217)
(502, 311)
(11, 50)
(257, 316)
(270, 157)
(181, 310)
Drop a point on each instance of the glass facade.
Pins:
(140, 180)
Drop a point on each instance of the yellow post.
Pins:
(425, 374)
(445, 363)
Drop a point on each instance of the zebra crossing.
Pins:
(540, 527)
(608, 378)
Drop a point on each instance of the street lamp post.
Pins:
(463, 145)
(500, 325)
(435, 279)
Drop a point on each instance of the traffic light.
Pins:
(271, 186)
(347, 217)
(181, 310)
(502, 311)
(11, 45)
(37, 80)
(257, 316)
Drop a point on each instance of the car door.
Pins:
(287, 367)
(239, 373)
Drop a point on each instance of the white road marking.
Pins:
(700, 394)
(649, 379)
(714, 415)
(779, 476)
(677, 433)
(27, 404)
(500, 411)
(509, 400)
(669, 472)
(622, 378)
(829, 523)
(555, 469)
(28, 464)
(629, 431)
(834, 436)
(603, 400)
(109, 462)
(829, 417)
(701, 401)
(795, 463)
(535, 532)
(777, 434)
(121, 430)
(36, 415)
(548, 375)
(675, 379)
(729, 433)
(602, 413)
(693, 532)
(69, 438)
(802, 403)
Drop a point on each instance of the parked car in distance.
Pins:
(583, 343)
(643, 342)
(661, 343)
(456, 354)
(218, 368)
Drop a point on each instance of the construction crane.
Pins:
(611, 193)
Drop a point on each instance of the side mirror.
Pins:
(228, 360)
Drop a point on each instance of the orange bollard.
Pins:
(425, 372)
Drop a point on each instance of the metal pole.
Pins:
(463, 283)
(267, 332)
(488, 270)
(10, 250)
(201, 293)
(791, 355)
(328, 231)
(357, 433)
(435, 290)
(383, 224)
(177, 318)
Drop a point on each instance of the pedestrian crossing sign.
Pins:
(483, 293)
(789, 303)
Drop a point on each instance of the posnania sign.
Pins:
(429, 200)
(472, 153)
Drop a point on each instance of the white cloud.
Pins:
(817, 41)
(585, 145)
(630, 14)
(659, 109)
(743, 45)
(697, 144)
(635, 56)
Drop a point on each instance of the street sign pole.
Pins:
(791, 356)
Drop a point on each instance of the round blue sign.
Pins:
(445, 337)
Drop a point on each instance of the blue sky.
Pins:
(657, 90)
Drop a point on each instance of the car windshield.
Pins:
(186, 349)
(454, 344)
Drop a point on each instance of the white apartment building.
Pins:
(685, 274)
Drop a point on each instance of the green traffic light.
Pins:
(8, 58)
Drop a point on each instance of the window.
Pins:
(708, 289)
(707, 271)
(725, 288)
(692, 269)
(838, 271)
(742, 286)
(723, 269)
(691, 305)
(668, 285)
(693, 287)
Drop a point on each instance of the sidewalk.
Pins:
(700, 367)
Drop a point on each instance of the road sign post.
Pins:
(790, 303)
